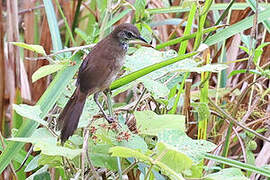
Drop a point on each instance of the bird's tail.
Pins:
(69, 117)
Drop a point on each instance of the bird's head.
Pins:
(126, 32)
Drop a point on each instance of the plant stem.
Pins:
(148, 172)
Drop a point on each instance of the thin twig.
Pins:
(26, 157)
(131, 166)
(148, 172)
(139, 100)
(245, 79)
(234, 121)
(30, 9)
(61, 51)
(241, 144)
(85, 151)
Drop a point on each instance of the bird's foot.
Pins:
(110, 119)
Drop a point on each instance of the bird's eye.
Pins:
(129, 34)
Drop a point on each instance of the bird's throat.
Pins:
(124, 45)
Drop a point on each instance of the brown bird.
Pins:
(99, 68)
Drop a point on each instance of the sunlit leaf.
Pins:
(228, 174)
(194, 149)
(45, 142)
(30, 112)
(46, 70)
(150, 123)
(170, 156)
(32, 47)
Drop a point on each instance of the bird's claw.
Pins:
(110, 119)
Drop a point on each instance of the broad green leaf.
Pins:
(244, 49)
(194, 149)
(46, 143)
(174, 159)
(89, 110)
(127, 152)
(156, 88)
(228, 174)
(146, 56)
(135, 142)
(99, 155)
(36, 48)
(150, 123)
(52, 161)
(46, 70)
(30, 112)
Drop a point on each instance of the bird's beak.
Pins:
(140, 38)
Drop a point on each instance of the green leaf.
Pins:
(156, 88)
(33, 164)
(36, 48)
(38, 173)
(238, 164)
(99, 155)
(52, 161)
(206, 68)
(46, 143)
(237, 28)
(140, 8)
(233, 73)
(53, 25)
(244, 49)
(30, 112)
(148, 69)
(146, 56)
(127, 152)
(194, 149)
(46, 70)
(202, 109)
(150, 123)
(174, 159)
(135, 142)
(228, 174)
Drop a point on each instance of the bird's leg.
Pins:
(109, 119)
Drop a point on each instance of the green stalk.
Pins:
(237, 164)
(191, 17)
(222, 79)
(142, 72)
(66, 23)
(184, 38)
(202, 19)
(76, 16)
(180, 91)
(182, 50)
